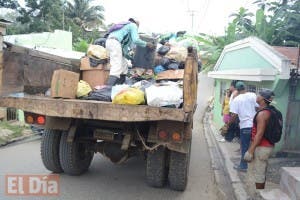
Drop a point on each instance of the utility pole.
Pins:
(63, 17)
(192, 14)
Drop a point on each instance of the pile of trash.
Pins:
(159, 86)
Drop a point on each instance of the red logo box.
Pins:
(32, 185)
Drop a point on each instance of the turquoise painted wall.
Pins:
(245, 58)
(281, 91)
(292, 142)
(58, 39)
(217, 118)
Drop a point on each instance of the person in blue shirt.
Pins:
(118, 44)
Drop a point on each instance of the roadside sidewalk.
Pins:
(243, 184)
(227, 158)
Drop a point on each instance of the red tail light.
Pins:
(41, 120)
(32, 118)
(162, 134)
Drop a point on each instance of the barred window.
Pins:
(250, 87)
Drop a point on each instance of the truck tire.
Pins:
(156, 172)
(50, 150)
(178, 170)
(74, 158)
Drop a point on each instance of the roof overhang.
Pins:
(279, 62)
(257, 75)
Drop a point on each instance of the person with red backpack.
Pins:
(119, 40)
(266, 127)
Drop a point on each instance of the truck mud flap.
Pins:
(58, 123)
(183, 147)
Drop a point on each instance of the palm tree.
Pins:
(288, 20)
(282, 25)
(262, 4)
(243, 21)
(85, 15)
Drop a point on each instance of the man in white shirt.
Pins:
(243, 107)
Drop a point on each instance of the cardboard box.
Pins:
(85, 65)
(171, 74)
(64, 84)
(95, 77)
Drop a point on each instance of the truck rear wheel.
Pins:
(156, 171)
(74, 157)
(178, 170)
(50, 150)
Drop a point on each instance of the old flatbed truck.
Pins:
(76, 129)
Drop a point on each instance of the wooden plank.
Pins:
(31, 74)
(190, 83)
(38, 74)
(54, 58)
(93, 109)
(171, 74)
(13, 73)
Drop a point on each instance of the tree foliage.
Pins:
(276, 22)
(84, 15)
(12, 4)
(79, 17)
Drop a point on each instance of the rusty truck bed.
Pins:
(98, 110)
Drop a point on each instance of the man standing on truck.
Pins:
(118, 45)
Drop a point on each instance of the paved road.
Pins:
(107, 181)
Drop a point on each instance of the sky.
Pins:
(162, 16)
(209, 16)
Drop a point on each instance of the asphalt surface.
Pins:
(105, 180)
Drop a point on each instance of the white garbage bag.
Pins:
(165, 95)
(118, 88)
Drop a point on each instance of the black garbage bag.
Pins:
(165, 62)
(96, 62)
(163, 50)
(100, 41)
(173, 64)
(181, 65)
(103, 94)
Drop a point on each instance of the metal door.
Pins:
(292, 131)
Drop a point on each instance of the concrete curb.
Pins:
(222, 165)
(18, 139)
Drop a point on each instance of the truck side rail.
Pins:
(98, 110)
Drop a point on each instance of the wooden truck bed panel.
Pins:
(29, 71)
(98, 110)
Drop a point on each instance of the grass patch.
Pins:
(16, 129)
(2, 141)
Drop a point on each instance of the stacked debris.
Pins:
(159, 85)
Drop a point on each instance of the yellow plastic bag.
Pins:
(132, 96)
(83, 89)
(97, 52)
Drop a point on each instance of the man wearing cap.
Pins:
(118, 44)
(243, 107)
(260, 148)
